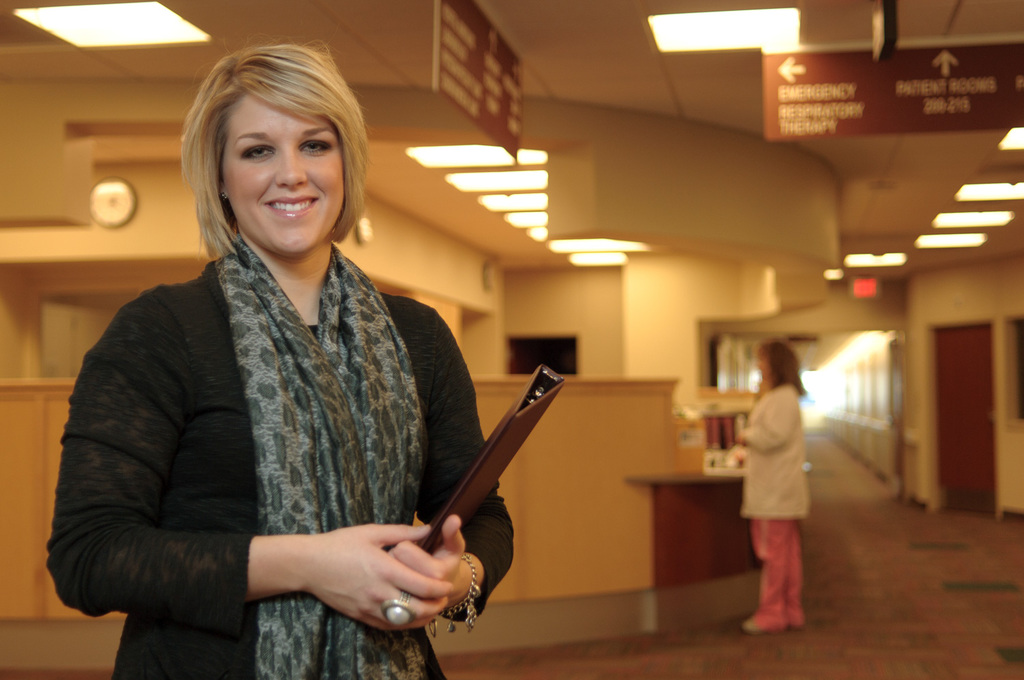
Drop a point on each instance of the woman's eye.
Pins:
(256, 152)
(318, 146)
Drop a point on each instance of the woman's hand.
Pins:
(446, 562)
(352, 570)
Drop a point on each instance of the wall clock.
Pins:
(112, 202)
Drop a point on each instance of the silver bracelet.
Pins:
(467, 603)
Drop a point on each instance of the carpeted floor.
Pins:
(891, 591)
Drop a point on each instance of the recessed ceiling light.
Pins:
(777, 29)
(527, 219)
(996, 191)
(512, 202)
(531, 157)
(473, 156)
(833, 274)
(869, 260)
(1014, 139)
(461, 156)
(539, 234)
(511, 180)
(596, 245)
(991, 218)
(950, 240)
(130, 23)
(598, 259)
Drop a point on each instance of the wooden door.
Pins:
(966, 440)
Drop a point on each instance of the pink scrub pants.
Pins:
(777, 545)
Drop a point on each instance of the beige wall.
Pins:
(408, 254)
(46, 174)
(690, 186)
(584, 303)
(666, 297)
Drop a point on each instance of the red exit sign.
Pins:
(864, 287)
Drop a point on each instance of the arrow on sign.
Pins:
(945, 60)
(789, 70)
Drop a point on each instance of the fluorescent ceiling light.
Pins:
(833, 274)
(511, 180)
(778, 29)
(598, 259)
(473, 156)
(1014, 139)
(512, 202)
(133, 23)
(1003, 191)
(462, 156)
(992, 218)
(868, 260)
(527, 219)
(950, 240)
(539, 234)
(596, 245)
(531, 157)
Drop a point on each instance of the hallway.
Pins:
(891, 591)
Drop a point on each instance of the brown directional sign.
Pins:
(837, 94)
(477, 71)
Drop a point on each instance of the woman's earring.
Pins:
(223, 196)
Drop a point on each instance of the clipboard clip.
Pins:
(536, 394)
(544, 380)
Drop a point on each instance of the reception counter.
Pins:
(602, 533)
(697, 529)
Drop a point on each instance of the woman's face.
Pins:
(283, 176)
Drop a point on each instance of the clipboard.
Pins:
(497, 452)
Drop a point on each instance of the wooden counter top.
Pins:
(683, 478)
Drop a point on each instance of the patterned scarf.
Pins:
(339, 442)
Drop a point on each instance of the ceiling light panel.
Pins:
(527, 219)
(461, 156)
(596, 245)
(598, 259)
(514, 202)
(473, 156)
(511, 180)
(531, 157)
(991, 192)
(539, 234)
(950, 240)
(869, 260)
(769, 29)
(133, 23)
(955, 220)
(1014, 139)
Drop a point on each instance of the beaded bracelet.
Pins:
(467, 603)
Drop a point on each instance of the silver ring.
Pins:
(397, 612)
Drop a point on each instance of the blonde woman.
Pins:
(246, 452)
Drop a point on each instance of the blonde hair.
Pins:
(301, 79)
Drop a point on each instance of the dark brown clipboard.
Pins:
(497, 452)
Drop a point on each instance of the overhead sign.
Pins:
(477, 71)
(837, 94)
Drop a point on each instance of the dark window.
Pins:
(525, 354)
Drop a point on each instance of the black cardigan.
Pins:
(156, 497)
